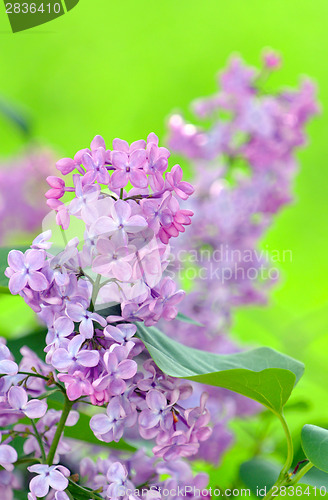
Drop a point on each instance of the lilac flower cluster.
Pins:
(155, 402)
(125, 240)
(91, 277)
(22, 185)
(152, 202)
(245, 165)
(151, 399)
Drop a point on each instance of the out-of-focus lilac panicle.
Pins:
(245, 164)
(22, 187)
(120, 476)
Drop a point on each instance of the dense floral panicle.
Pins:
(89, 292)
(22, 186)
(125, 240)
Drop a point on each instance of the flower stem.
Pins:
(60, 429)
(64, 235)
(301, 473)
(39, 440)
(290, 451)
(47, 379)
(27, 460)
(284, 477)
(95, 291)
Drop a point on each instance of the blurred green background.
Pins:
(120, 68)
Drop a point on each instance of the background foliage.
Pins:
(119, 69)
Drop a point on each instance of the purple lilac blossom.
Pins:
(89, 291)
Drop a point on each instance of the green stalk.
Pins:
(301, 473)
(27, 460)
(37, 375)
(60, 429)
(39, 440)
(64, 235)
(95, 291)
(290, 451)
(284, 477)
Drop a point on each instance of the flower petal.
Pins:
(148, 418)
(88, 358)
(100, 424)
(8, 367)
(17, 282)
(39, 486)
(17, 398)
(156, 400)
(8, 455)
(34, 259)
(37, 281)
(119, 179)
(35, 408)
(127, 369)
(138, 178)
(57, 480)
(16, 260)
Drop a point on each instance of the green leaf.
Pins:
(261, 374)
(81, 492)
(4, 290)
(16, 116)
(82, 432)
(315, 445)
(35, 340)
(258, 474)
(186, 319)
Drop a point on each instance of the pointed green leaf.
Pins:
(261, 374)
(81, 492)
(16, 116)
(315, 445)
(186, 319)
(259, 475)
